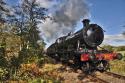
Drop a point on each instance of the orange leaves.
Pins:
(32, 68)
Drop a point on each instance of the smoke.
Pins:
(65, 15)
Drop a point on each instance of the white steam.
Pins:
(65, 15)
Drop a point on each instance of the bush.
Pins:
(38, 80)
(4, 74)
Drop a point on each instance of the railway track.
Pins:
(115, 75)
(91, 78)
(97, 77)
(105, 77)
(97, 80)
(109, 77)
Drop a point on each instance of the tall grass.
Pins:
(118, 66)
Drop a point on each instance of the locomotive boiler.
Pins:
(80, 49)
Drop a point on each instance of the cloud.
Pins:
(123, 33)
(65, 16)
(47, 3)
(115, 40)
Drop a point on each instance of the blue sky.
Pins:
(111, 15)
(12, 2)
(108, 13)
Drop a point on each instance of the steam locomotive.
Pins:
(81, 49)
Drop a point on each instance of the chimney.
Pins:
(86, 22)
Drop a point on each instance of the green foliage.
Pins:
(112, 48)
(38, 80)
(121, 48)
(3, 73)
(27, 17)
(3, 62)
(20, 42)
(41, 61)
(108, 47)
(30, 55)
(15, 62)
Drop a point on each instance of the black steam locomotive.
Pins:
(80, 49)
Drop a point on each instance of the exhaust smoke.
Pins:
(65, 15)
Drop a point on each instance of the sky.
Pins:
(110, 14)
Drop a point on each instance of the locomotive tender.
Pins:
(80, 49)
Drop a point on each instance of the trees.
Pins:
(33, 14)
(108, 47)
(3, 12)
(25, 22)
(19, 34)
(120, 48)
(27, 17)
(30, 14)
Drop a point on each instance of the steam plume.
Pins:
(65, 15)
